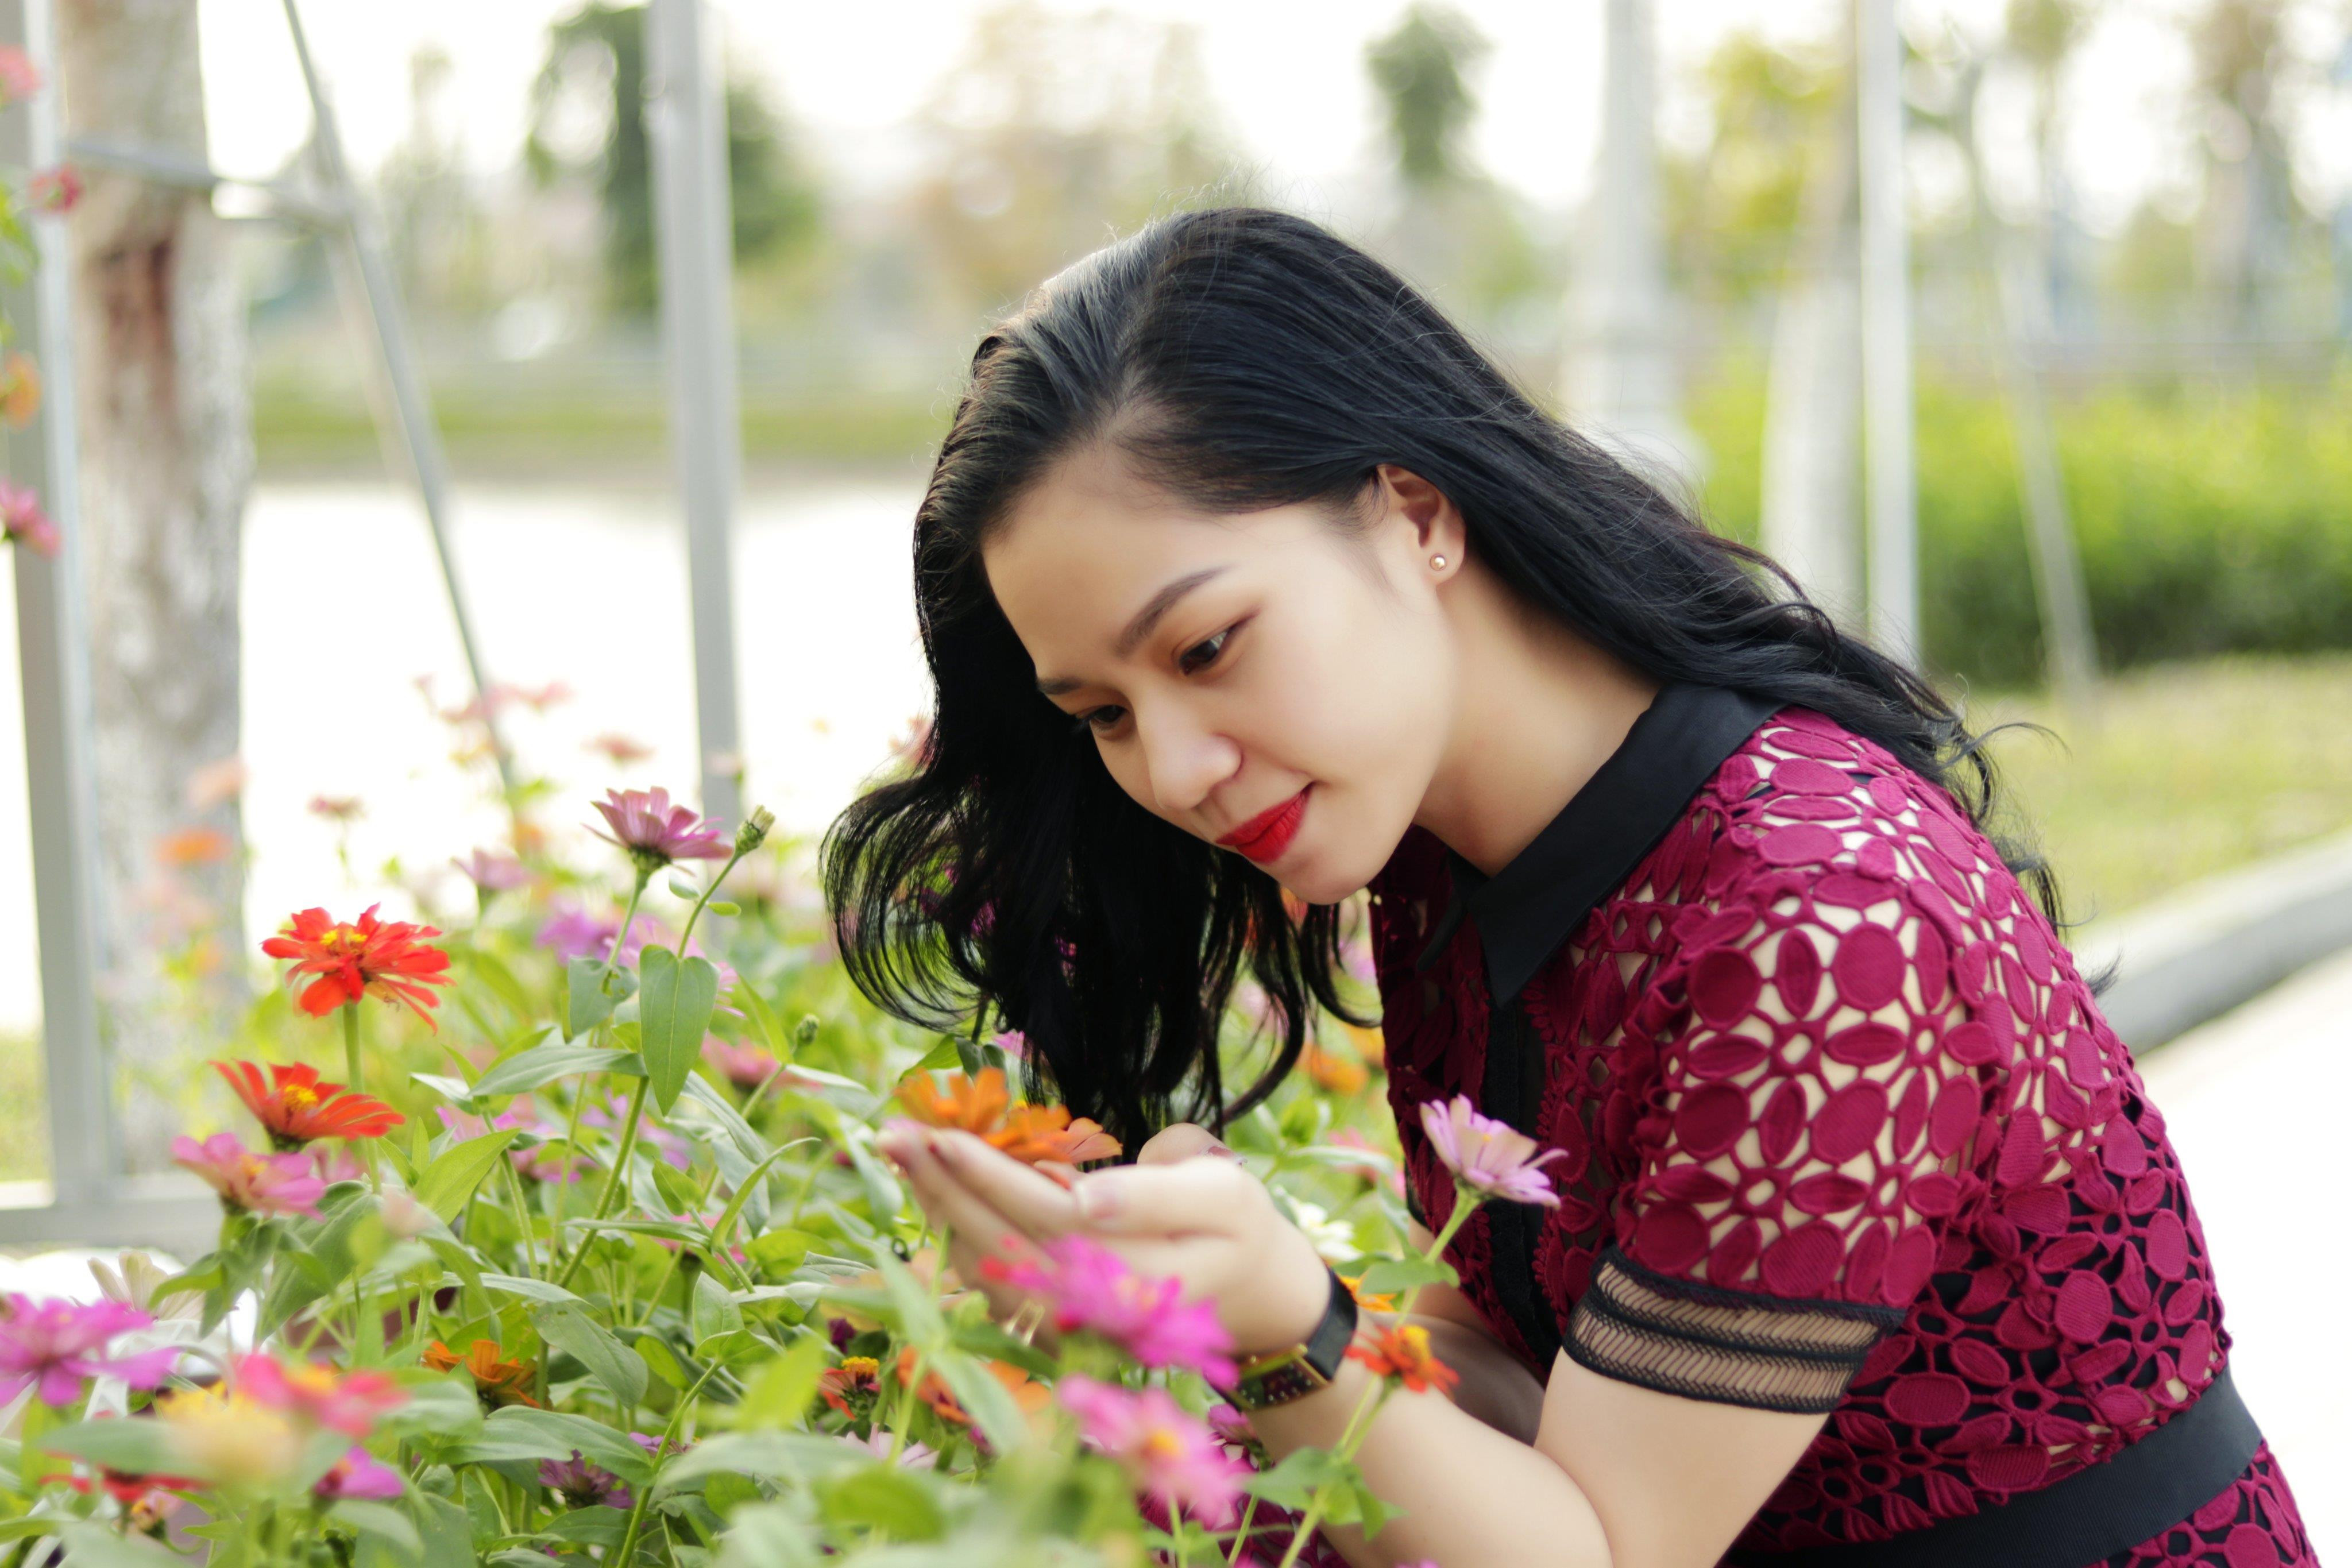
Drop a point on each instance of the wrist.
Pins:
(1291, 1302)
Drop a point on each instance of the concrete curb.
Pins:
(2194, 954)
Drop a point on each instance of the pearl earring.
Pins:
(1437, 562)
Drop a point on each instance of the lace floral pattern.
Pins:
(1821, 1046)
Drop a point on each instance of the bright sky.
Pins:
(1287, 75)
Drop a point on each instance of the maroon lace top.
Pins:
(1844, 1130)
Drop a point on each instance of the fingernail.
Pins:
(1221, 1152)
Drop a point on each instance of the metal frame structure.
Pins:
(89, 1199)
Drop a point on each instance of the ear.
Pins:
(1438, 531)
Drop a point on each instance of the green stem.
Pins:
(695, 913)
(523, 1220)
(613, 954)
(612, 1177)
(628, 1546)
(1359, 1421)
(352, 1071)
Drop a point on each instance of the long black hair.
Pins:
(1240, 358)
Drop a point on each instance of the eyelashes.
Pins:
(1081, 723)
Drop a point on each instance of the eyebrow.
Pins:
(1139, 628)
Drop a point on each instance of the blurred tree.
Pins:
(2042, 35)
(2244, 230)
(1441, 220)
(1420, 70)
(587, 120)
(1052, 134)
(1734, 200)
(166, 456)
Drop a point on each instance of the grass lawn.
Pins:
(2188, 768)
(24, 1132)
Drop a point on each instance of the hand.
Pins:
(1186, 1208)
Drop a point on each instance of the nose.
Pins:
(1183, 759)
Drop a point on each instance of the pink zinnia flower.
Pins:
(914, 1456)
(19, 77)
(252, 1183)
(655, 832)
(573, 932)
(358, 1474)
(492, 872)
(22, 521)
(347, 1403)
(53, 1347)
(1088, 1286)
(1492, 1157)
(1173, 1458)
(54, 190)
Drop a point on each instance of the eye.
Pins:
(1081, 722)
(1216, 645)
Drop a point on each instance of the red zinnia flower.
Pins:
(368, 956)
(294, 1107)
(1403, 1353)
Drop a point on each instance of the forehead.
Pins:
(1088, 542)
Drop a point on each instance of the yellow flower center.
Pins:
(297, 1096)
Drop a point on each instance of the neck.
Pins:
(1538, 711)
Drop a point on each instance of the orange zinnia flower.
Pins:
(1342, 1074)
(982, 1107)
(1403, 1352)
(387, 959)
(1027, 1392)
(1373, 1302)
(295, 1107)
(496, 1381)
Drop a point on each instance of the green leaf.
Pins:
(544, 1064)
(572, 1331)
(989, 1402)
(674, 1010)
(947, 1053)
(763, 1017)
(768, 1535)
(885, 1496)
(1402, 1273)
(89, 1544)
(377, 1518)
(449, 1183)
(662, 1361)
(517, 1432)
(141, 1446)
(535, 1290)
(715, 1312)
(449, 1534)
(592, 991)
(684, 889)
(919, 1309)
(779, 1391)
(499, 981)
(724, 906)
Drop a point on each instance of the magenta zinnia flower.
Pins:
(358, 1474)
(1493, 1156)
(249, 1182)
(1088, 1286)
(573, 932)
(583, 1483)
(1170, 1454)
(53, 1347)
(347, 1402)
(655, 832)
(22, 521)
(745, 1067)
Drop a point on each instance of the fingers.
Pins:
(948, 1201)
(1037, 1203)
(1180, 1141)
(1189, 1196)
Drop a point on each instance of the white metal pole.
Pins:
(694, 230)
(1886, 390)
(53, 648)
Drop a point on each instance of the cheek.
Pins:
(1347, 688)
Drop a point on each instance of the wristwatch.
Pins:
(1282, 1375)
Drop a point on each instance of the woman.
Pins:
(1242, 571)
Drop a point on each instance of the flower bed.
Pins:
(589, 1253)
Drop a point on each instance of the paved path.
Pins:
(2257, 1103)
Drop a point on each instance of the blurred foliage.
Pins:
(595, 68)
(2210, 518)
(2186, 769)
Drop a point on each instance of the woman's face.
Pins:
(1261, 670)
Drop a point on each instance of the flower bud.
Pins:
(754, 831)
(804, 1031)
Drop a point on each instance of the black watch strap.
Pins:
(1283, 1375)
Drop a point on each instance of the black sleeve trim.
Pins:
(1727, 1347)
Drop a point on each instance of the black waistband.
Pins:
(2140, 1491)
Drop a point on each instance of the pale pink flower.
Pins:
(879, 1442)
(655, 832)
(22, 521)
(745, 1067)
(337, 807)
(19, 77)
(1492, 1157)
(1168, 1453)
(250, 1182)
(1088, 1287)
(620, 750)
(345, 1401)
(491, 871)
(53, 1347)
(358, 1475)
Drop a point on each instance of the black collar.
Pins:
(1535, 902)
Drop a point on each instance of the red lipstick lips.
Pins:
(1265, 836)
